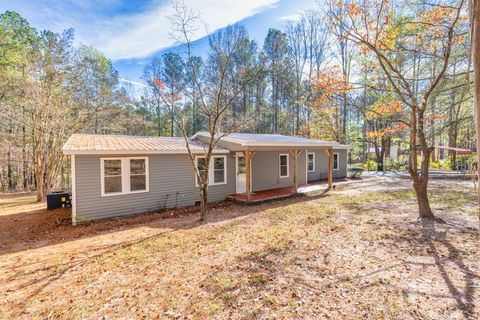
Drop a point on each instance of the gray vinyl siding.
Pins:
(266, 170)
(321, 165)
(172, 183)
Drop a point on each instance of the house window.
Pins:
(112, 177)
(138, 175)
(311, 162)
(124, 175)
(335, 161)
(283, 163)
(217, 171)
(201, 167)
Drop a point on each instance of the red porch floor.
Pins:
(278, 193)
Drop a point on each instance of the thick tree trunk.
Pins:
(424, 210)
(10, 174)
(420, 184)
(380, 167)
(39, 183)
(24, 159)
(475, 30)
(420, 177)
(380, 155)
(11, 182)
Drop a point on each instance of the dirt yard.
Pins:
(357, 252)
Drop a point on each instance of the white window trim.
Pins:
(309, 153)
(338, 161)
(211, 171)
(125, 166)
(279, 166)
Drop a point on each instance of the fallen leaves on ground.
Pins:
(343, 255)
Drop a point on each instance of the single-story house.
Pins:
(114, 175)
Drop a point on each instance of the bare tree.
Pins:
(212, 89)
(65, 89)
(344, 54)
(307, 42)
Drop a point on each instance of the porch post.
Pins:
(329, 153)
(295, 154)
(248, 165)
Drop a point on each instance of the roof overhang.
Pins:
(342, 147)
(247, 144)
(137, 152)
(285, 145)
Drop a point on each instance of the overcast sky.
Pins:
(131, 32)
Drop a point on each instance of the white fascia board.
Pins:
(342, 147)
(246, 143)
(196, 135)
(293, 145)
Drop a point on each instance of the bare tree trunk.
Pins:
(379, 156)
(344, 119)
(424, 209)
(39, 184)
(203, 201)
(11, 182)
(24, 159)
(159, 125)
(475, 38)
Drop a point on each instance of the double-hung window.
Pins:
(217, 171)
(112, 176)
(124, 175)
(201, 166)
(283, 165)
(138, 175)
(311, 162)
(335, 161)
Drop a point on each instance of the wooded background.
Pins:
(315, 79)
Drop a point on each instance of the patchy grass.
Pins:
(19, 203)
(340, 256)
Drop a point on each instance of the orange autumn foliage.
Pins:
(159, 83)
(385, 109)
(327, 84)
(168, 97)
(436, 116)
(389, 131)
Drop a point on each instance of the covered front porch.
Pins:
(247, 193)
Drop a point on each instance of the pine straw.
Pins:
(338, 256)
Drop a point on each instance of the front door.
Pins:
(241, 174)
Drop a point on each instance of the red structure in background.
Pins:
(458, 151)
